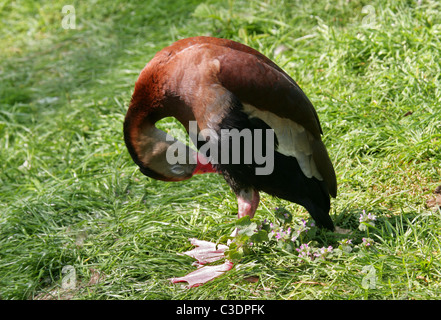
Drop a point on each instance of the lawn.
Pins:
(79, 221)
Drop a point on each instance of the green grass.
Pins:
(71, 196)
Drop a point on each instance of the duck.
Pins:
(249, 122)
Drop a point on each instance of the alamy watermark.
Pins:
(69, 280)
(233, 146)
(369, 21)
(68, 21)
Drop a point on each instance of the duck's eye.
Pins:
(177, 169)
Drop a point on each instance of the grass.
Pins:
(71, 196)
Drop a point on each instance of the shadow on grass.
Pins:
(106, 39)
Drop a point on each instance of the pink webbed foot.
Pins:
(206, 252)
(204, 274)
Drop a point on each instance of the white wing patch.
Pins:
(294, 140)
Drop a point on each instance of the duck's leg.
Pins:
(247, 201)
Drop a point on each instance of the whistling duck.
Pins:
(222, 85)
